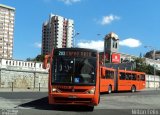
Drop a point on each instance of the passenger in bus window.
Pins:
(127, 77)
(122, 76)
(87, 71)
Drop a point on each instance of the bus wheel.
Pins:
(99, 99)
(109, 89)
(133, 89)
(91, 108)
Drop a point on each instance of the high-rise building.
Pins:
(57, 32)
(7, 15)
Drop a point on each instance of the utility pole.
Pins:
(74, 34)
(154, 57)
(154, 63)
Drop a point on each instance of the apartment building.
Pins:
(7, 18)
(57, 32)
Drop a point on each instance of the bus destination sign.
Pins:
(76, 53)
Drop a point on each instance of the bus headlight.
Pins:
(54, 89)
(92, 91)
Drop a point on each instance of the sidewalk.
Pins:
(23, 90)
(147, 89)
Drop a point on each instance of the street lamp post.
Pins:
(104, 54)
(154, 65)
(74, 40)
(104, 51)
(74, 34)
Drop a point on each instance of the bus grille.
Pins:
(71, 90)
(72, 100)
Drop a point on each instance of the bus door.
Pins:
(124, 82)
(142, 81)
(135, 81)
(110, 75)
(107, 80)
(103, 80)
(129, 81)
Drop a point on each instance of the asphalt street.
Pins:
(122, 103)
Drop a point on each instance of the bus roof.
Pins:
(74, 49)
(130, 71)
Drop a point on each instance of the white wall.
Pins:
(152, 81)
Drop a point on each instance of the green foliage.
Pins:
(140, 65)
(38, 58)
(143, 67)
(140, 55)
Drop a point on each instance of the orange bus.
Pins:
(74, 76)
(121, 80)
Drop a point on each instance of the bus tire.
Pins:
(133, 89)
(91, 108)
(109, 89)
(99, 99)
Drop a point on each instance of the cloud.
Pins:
(130, 42)
(98, 45)
(109, 19)
(37, 45)
(69, 2)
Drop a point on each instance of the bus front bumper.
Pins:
(71, 98)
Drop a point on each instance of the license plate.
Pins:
(72, 96)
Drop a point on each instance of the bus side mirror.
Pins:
(103, 72)
(45, 62)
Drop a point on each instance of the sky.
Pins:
(136, 22)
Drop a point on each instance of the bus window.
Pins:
(112, 74)
(109, 74)
(142, 77)
(122, 76)
(128, 76)
(133, 76)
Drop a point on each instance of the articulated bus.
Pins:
(121, 80)
(73, 76)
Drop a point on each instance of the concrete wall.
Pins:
(22, 74)
(152, 81)
(23, 79)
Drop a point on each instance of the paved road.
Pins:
(31, 103)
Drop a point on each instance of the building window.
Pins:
(6, 62)
(116, 45)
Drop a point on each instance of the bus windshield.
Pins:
(74, 70)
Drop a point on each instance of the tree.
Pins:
(143, 67)
(140, 55)
(29, 59)
(38, 58)
(140, 65)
